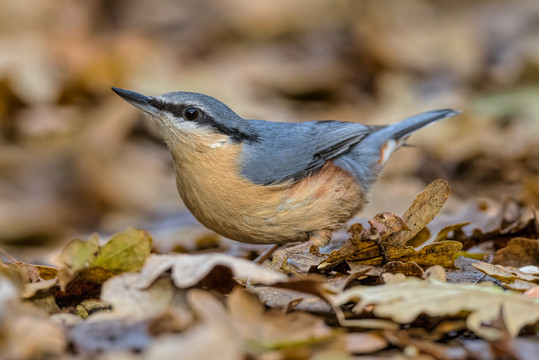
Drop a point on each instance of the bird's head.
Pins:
(191, 119)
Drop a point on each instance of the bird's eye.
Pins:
(191, 113)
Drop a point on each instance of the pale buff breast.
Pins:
(230, 205)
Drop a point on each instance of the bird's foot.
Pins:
(305, 254)
(281, 256)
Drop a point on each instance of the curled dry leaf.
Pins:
(30, 289)
(442, 234)
(367, 245)
(33, 277)
(189, 270)
(403, 302)
(386, 240)
(29, 272)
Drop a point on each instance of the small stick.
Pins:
(266, 254)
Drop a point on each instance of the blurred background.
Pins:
(75, 158)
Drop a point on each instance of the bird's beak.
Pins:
(138, 100)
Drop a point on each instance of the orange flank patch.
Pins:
(330, 178)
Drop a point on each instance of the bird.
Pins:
(267, 182)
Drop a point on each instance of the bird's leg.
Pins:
(316, 239)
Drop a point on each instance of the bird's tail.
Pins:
(389, 138)
(406, 127)
(366, 161)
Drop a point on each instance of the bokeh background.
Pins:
(75, 158)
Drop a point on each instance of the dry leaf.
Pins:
(442, 234)
(518, 252)
(281, 298)
(409, 268)
(312, 290)
(403, 302)
(274, 330)
(189, 270)
(519, 285)
(34, 278)
(523, 224)
(366, 245)
(30, 289)
(78, 254)
(511, 277)
(125, 251)
(128, 300)
(386, 239)
(440, 253)
(420, 238)
(424, 208)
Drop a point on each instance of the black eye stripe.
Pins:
(187, 112)
(202, 119)
(173, 109)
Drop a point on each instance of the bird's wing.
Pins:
(288, 152)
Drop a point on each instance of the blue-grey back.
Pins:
(291, 151)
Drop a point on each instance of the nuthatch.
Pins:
(266, 182)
